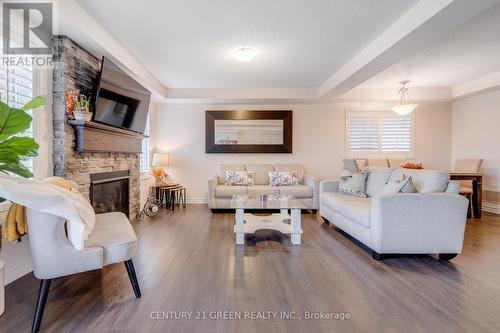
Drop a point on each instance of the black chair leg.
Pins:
(133, 278)
(40, 305)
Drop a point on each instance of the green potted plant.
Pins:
(13, 149)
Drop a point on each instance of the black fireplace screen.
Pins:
(109, 191)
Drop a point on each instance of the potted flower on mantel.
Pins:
(13, 149)
(77, 105)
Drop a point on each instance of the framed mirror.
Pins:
(248, 131)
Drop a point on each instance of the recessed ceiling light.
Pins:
(245, 53)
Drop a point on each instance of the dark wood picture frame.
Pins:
(212, 116)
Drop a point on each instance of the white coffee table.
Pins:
(247, 223)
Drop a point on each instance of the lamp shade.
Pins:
(161, 160)
(404, 108)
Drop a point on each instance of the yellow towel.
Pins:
(15, 226)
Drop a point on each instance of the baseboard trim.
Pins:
(17, 272)
(197, 200)
(491, 207)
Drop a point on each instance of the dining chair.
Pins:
(374, 162)
(467, 165)
(350, 164)
(361, 163)
(112, 240)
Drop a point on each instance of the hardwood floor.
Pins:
(187, 261)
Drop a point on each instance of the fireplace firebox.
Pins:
(109, 191)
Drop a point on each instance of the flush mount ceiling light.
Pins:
(245, 53)
(404, 106)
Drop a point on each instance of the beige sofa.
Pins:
(220, 195)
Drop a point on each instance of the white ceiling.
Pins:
(469, 52)
(188, 43)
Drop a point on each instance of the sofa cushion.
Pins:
(333, 200)
(225, 191)
(292, 167)
(263, 189)
(357, 211)
(376, 179)
(299, 191)
(221, 171)
(425, 181)
(261, 171)
(114, 233)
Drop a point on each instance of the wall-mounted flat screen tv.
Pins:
(121, 101)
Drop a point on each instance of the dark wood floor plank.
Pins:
(187, 261)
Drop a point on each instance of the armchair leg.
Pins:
(40, 305)
(133, 278)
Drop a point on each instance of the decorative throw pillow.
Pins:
(403, 185)
(240, 178)
(408, 186)
(354, 184)
(283, 178)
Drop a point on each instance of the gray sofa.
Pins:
(430, 221)
(220, 195)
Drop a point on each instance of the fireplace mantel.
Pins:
(94, 137)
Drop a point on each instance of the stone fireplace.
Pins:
(74, 67)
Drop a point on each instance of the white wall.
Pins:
(318, 140)
(476, 133)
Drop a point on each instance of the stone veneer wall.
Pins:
(74, 67)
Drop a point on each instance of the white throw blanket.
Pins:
(53, 200)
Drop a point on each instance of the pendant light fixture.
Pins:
(405, 106)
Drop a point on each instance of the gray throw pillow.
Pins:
(353, 184)
(408, 186)
(403, 185)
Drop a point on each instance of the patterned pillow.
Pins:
(354, 184)
(403, 185)
(283, 178)
(408, 187)
(240, 178)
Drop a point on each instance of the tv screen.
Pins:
(121, 101)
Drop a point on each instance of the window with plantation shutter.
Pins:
(16, 89)
(396, 132)
(145, 156)
(384, 132)
(363, 131)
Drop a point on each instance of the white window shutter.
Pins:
(363, 131)
(396, 133)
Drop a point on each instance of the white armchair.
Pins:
(113, 240)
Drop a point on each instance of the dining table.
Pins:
(477, 189)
